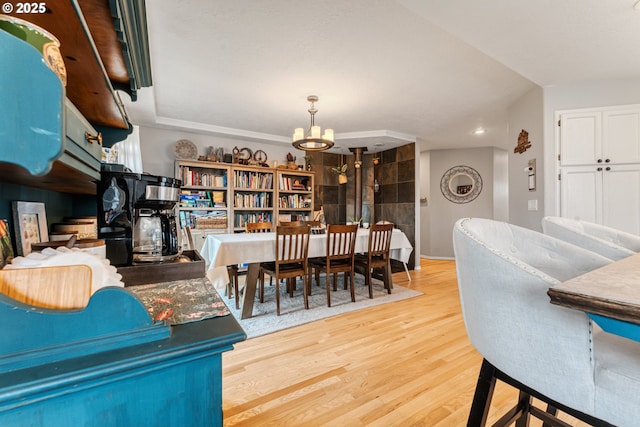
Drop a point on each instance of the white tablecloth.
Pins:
(220, 250)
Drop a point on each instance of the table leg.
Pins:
(249, 293)
(406, 269)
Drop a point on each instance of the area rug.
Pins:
(292, 312)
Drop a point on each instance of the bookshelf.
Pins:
(220, 198)
(295, 199)
(204, 196)
(253, 195)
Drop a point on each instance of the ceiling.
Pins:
(386, 72)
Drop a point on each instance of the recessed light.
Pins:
(479, 131)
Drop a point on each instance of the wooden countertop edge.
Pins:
(590, 304)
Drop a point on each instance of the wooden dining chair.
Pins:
(234, 272)
(377, 256)
(341, 243)
(292, 223)
(292, 248)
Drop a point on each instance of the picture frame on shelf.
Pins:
(30, 224)
(6, 248)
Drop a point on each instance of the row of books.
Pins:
(241, 219)
(202, 178)
(287, 183)
(202, 199)
(254, 180)
(254, 200)
(294, 201)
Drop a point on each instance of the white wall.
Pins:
(443, 213)
(567, 97)
(526, 113)
(157, 148)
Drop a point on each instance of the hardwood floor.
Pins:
(407, 363)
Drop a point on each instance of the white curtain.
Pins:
(129, 151)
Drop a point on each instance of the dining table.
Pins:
(221, 250)
(609, 295)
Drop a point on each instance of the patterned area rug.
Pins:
(292, 312)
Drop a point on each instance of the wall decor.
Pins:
(461, 184)
(523, 142)
(30, 223)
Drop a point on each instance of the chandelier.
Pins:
(312, 141)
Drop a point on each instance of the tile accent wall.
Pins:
(395, 201)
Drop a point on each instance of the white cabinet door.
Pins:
(621, 136)
(621, 197)
(581, 193)
(580, 138)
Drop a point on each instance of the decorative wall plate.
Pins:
(185, 149)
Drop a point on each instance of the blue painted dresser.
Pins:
(110, 365)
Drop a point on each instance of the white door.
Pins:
(621, 197)
(581, 193)
(581, 138)
(621, 136)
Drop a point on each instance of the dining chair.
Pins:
(377, 256)
(341, 243)
(292, 248)
(292, 223)
(607, 241)
(548, 352)
(234, 271)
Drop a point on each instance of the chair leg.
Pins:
(351, 285)
(327, 281)
(387, 277)
(335, 281)
(309, 279)
(235, 292)
(278, 297)
(367, 282)
(345, 280)
(305, 286)
(261, 284)
(482, 396)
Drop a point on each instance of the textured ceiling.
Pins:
(386, 72)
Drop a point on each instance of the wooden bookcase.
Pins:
(204, 197)
(221, 198)
(253, 195)
(295, 199)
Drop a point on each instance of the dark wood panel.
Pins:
(62, 178)
(87, 87)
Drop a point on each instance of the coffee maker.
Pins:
(136, 217)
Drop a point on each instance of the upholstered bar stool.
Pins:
(606, 241)
(546, 351)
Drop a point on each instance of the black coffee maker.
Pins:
(136, 217)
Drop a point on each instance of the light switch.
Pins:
(532, 205)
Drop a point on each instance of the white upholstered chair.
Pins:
(546, 351)
(609, 242)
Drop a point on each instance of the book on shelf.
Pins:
(203, 177)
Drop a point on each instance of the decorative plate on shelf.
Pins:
(185, 149)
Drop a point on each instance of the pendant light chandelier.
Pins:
(312, 141)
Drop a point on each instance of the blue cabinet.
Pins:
(44, 140)
(110, 365)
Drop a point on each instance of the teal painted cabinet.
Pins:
(110, 365)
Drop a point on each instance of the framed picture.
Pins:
(6, 248)
(30, 224)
